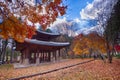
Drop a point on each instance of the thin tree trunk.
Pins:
(4, 51)
(11, 55)
(1, 55)
(0, 48)
(108, 52)
(6, 56)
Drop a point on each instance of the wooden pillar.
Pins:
(59, 53)
(42, 56)
(37, 54)
(49, 56)
(34, 57)
(25, 58)
(55, 54)
(37, 59)
(22, 57)
(45, 54)
(52, 56)
(30, 57)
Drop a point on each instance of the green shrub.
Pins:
(6, 66)
(118, 56)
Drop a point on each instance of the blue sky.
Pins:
(85, 13)
(74, 8)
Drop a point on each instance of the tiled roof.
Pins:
(46, 43)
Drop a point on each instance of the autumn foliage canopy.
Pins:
(14, 17)
(85, 44)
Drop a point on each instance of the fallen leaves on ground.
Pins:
(95, 70)
(6, 73)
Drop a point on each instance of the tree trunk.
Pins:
(6, 56)
(0, 48)
(1, 55)
(4, 51)
(11, 55)
(108, 52)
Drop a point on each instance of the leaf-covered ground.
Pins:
(95, 70)
(7, 71)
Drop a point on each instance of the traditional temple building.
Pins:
(40, 48)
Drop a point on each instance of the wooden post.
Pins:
(52, 56)
(55, 53)
(25, 56)
(37, 59)
(59, 52)
(59, 55)
(49, 56)
(34, 57)
(29, 56)
(41, 56)
(45, 56)
(21, 60)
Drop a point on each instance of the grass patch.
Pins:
(118, 56)
(6, 66)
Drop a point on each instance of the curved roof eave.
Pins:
(52, 34)
(46, 43)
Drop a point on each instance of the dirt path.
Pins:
(12, 73)
(95, 70)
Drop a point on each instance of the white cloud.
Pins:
(77, 20)
(82, 24)
(80, 21)
(58, 20)
(71, 28)
(92, 10)
(90, 29)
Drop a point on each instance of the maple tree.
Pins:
(15, 14)
(85, 43)
(81, 47)
(97, 42)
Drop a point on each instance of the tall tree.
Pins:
(112, 28)
(15, 14)
(87, 44)
(104, 20)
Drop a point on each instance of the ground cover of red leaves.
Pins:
(95, 70)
